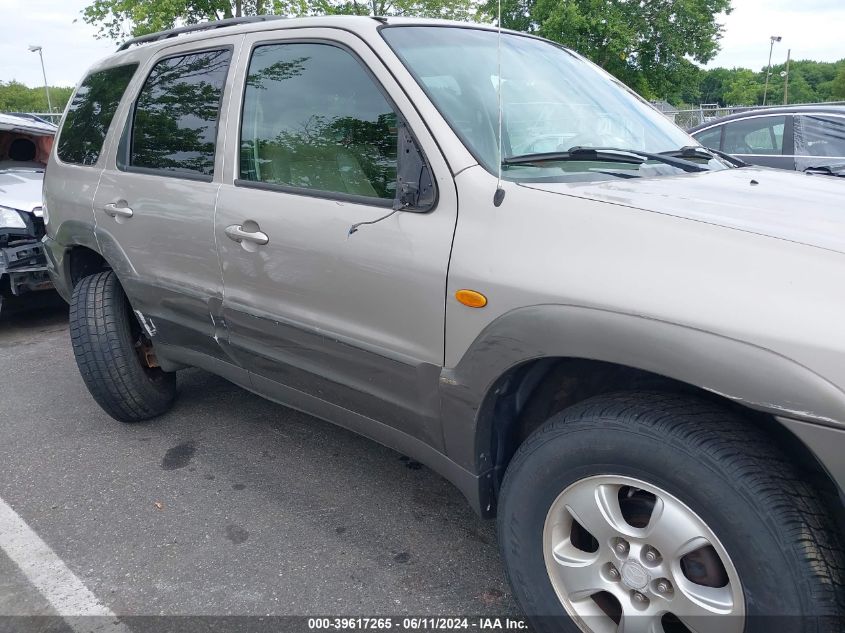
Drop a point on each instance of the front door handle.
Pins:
(237, 233)
(114, 211)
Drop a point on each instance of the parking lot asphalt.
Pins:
(227, 505)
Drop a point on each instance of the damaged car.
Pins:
(25, 145)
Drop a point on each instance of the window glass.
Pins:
(175, 123)
(90, 113)
(314, 119)
(710, 138)
(817, 135)
(761, 135)
(552, 100)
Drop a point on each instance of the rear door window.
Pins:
(174, 127)
(90, 114)
(760, 135)
(819, 135)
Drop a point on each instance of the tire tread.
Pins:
(722, 436)
(99, 330)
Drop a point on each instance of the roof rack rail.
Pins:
(194, 28)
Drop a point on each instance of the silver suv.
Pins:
(625, 347)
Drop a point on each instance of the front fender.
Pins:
(754, 376)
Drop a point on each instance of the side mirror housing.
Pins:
(415, 190)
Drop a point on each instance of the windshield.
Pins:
(552, 101)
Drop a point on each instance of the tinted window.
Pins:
(90, 114)
(761, 135)
(175, 123)
(710, 138)
(818, 135)
(315, 119)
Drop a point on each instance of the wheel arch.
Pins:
(532, 362)
(83, 261)
(77, 250)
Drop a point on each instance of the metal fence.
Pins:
(53, 117)
(709, 111)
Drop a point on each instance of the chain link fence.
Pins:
(710, 111)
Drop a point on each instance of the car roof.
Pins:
(142, 48)
(796, 109)
(26, 125)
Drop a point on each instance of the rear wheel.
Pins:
(656, 513)
(114, 355)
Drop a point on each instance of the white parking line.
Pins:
(47, 572)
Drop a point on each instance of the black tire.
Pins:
(103, 330)
(781, 539)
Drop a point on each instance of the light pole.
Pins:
(772, 39)
(785, 75)
(35, 48)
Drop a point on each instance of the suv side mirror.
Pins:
(415, 190)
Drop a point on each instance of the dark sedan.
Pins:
(794, 137)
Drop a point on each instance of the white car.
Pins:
(25, 144)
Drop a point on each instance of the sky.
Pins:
(811, 28)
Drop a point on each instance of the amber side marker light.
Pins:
(471, 298)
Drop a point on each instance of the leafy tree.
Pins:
(805, 80)
(17, 97)
(837, 86)
(714, 84)
(119, 19)
(809, 82)
(742, 88)
(647, 44)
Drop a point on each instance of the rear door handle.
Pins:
(114, 211)
(236, 232)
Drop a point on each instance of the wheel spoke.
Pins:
(578, 572)
(673, 530)
(596, 508)
(700, 600)
(706, 609)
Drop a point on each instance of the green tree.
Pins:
(742, 88)
(837, 86)
(714, 84)
(119, 19)
(17, 97)
(809, 82)
(647, 44)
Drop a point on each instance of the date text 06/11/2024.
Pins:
(425, 623)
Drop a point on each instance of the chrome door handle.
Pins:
(236, 232)
(113, 210)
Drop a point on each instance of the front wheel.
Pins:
(113, 354)
(657, 513)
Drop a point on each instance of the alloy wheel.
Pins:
(625, 556)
